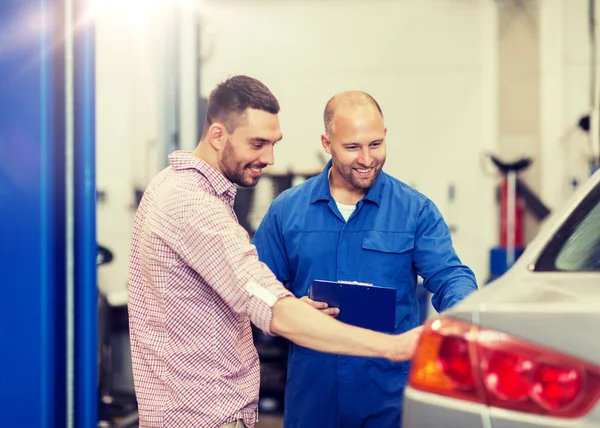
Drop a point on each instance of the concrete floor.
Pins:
(269, 421)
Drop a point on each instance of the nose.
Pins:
(365, 159)
(267, 156)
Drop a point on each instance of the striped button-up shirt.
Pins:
(195, 284)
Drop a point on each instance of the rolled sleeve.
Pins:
(213, 243)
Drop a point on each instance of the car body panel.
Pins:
(555, 310)
(556, 313)
(442, 412)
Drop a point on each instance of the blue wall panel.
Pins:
(33, 225)
(31, 217)
(86, 298)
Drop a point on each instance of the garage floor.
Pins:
(269, 421)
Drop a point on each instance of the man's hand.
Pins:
(322, 306)
(405, 344)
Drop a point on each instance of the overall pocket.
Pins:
(387, 258)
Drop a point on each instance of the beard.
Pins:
(234, 170)
(347, 172)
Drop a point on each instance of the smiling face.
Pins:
(357, 147)
(249, 148)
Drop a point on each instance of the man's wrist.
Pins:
(385, 346)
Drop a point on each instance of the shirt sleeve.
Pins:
(270, 243)
(437, 263)
(214, 244)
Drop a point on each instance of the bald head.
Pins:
(347, 102)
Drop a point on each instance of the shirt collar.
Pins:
(321, 191)
(181, 160)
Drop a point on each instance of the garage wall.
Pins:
(127, 99)
(429, 63)
(565, 95)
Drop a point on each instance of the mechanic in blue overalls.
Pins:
(354, 222)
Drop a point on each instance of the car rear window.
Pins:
(581, 251)
(576, 246)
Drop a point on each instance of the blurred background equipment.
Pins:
(117, 405)
(514, 198)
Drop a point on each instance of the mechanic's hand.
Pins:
(322, 306)
(405, 344)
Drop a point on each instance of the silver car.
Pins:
(523, 351)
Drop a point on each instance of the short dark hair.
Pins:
(230, 99)
(356, 97)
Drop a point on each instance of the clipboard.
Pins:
(361, 304)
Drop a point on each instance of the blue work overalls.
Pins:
(394, 234)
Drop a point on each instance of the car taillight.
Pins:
(462, 361)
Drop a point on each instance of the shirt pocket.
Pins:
(387, 260)
(388, 242)
(390, 255)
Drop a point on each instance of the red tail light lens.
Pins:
(557, 387)
(455, 361)
(508, 376)
(462, 361)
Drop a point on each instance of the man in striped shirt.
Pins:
(195, 282)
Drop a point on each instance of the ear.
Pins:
(385, 131)
(217, 136)
(326, 143)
